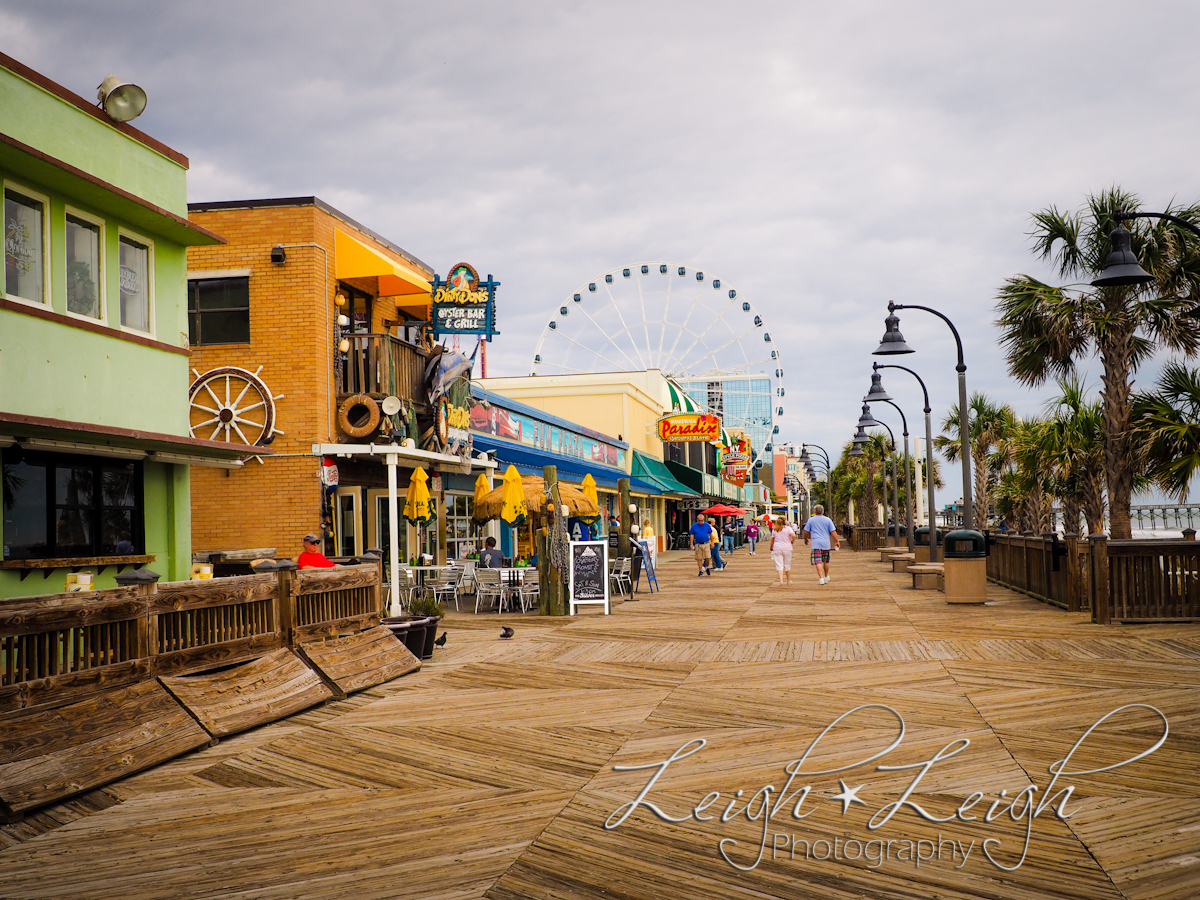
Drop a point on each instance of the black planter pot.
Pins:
(430, 636)
(415, 632)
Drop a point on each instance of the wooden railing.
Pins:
(868, 538)
(59, 646)
(1117, 581)
(1147, 581)
(381, 365)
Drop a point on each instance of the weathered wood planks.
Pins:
(359, 661)
(249, 695)
(47, 755)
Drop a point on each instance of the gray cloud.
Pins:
(822, 158)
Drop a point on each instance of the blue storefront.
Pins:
(523, 436)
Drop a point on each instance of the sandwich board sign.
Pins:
(589, 575)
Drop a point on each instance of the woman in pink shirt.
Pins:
(782, 539)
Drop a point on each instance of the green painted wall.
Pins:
(54, 126)
(61, 371)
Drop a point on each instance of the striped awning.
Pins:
(681, 400)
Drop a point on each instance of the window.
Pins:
(458, 525)
(84, 279)
(58, 506)
(24, 247)
(135, 284)
(358, 309)
(219, 311)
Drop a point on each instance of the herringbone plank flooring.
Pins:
(490, 772)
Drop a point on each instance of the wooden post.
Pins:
(550, 579)
(1098, 582)
(1049, 560)
(626, 518)
(285, 601)
(1072, 573)
(145, 583)
(1025, 536)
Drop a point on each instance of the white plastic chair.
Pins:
(487, 586)
(529, 590)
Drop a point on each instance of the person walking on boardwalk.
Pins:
(751, 537)
(821, 530)
(782, 539)
(700, 534)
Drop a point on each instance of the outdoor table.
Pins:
(422, 570)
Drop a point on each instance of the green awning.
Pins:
(655, 471)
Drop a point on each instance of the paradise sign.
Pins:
(462, 305)
(688, 427)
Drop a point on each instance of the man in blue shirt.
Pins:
(821, 531)
(700, 534)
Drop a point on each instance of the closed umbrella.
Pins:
(482, 488)
(513, 508)
(589, 491)
(417, 508)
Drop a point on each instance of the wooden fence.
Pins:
(56, 647)
(1117, 581)
(868, 538)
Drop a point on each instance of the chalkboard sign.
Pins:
(648, 565)
(589, 574)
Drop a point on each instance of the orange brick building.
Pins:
(264, 313)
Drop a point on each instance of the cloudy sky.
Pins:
(821, 157)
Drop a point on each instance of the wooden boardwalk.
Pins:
(489, 773)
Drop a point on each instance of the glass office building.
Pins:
(742, 401)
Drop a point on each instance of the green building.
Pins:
(94, 362)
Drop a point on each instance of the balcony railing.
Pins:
(381, 365)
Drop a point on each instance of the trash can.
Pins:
(965, 567)
(921, 543)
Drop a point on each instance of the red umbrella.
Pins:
(722, 510)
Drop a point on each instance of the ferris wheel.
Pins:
(692, 326)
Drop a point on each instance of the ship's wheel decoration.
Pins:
(234, 405)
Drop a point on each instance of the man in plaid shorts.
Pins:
(821, 530)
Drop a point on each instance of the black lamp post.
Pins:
(1122, 267)
(866, 420)
(908, 486)
(893, 344)
(877, 379)
(824, 457)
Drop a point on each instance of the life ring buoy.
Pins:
(350, 415)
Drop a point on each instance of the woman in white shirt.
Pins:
(782, 538)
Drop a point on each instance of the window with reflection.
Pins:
(83, 267)
(135, 284)
(24, 250)
(58, 506)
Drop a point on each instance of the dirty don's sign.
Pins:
(462, 304)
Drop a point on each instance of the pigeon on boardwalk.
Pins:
(441, 642)
(506, 632)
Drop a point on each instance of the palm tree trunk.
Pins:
(1118, 463)
(1070, 506)
(980, 477)
(1093, 502)
(870, 511)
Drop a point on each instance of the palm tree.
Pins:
(1166, 429)
(1046, 330)
(988, 425)
(1072, 439)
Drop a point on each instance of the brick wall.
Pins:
(291, 322)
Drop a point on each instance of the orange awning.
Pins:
(354, 259)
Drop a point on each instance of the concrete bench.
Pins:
(901, 561)
(886, 553)
(926, 576)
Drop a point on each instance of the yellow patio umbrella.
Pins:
(513, 509)
(417, 508)
(482, 488)
(589, 491)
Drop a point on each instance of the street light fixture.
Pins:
(824, 457)
(867, 420)
(1122, 267)
(928, 451)
(908, 494)
(892, 344)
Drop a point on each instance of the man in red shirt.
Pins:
(312, 557)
